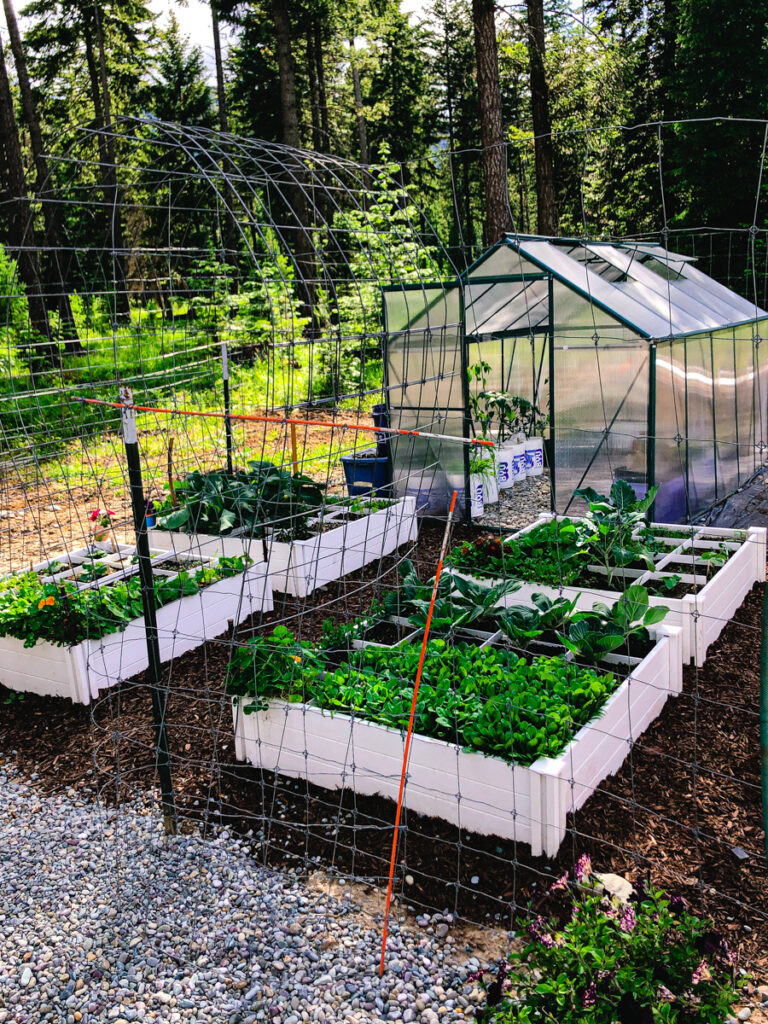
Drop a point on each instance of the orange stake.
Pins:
(282, 420)
(407, 748)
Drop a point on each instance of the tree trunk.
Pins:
(297, 235)
(55, 278)
(288, 104)
(542, 122)
(221, 96)
(111, 187)
(230, 240)
(322, 95)
(362, 134)
(314, 101)
(43, 352)
(498, 218)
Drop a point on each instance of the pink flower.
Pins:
(664, 994)
(702, 973)
(589, 996)
(583, 867)
(560, 884)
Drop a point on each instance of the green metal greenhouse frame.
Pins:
(648, 368)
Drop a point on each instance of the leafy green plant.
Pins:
(219, 502)
(491, 701)
(589, 959)
(64, 614)
(610, 524)
(458, 603)
(553, 553)
(592, 635)
(481, 464)
(267, 666)
(523, 623)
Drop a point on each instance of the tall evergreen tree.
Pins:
(498, 219)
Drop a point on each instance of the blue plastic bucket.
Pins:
(366, 472)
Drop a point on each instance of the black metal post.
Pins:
(162, 754)
(227, 409)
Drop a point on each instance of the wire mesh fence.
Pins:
(249, 393)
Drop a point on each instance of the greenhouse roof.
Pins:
(653, 291)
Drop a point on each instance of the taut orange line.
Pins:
(288, 420)
(407, 748)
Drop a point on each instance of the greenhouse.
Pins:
(644, 368)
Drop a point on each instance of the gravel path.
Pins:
(104, 919)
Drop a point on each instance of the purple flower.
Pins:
(589, 996)
(627, 920)
(535, 930)
(664, 994)
(677, 905)
(702, 973)
(583, 867)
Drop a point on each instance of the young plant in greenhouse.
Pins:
(587, 958)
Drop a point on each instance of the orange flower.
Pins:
(40, 604)
(50, 600)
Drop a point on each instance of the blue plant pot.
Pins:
(366, 473)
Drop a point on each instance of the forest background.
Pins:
(603, 118)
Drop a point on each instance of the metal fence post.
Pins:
(159, 699)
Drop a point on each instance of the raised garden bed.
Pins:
(524, 802)
(703, 594)
(298, 567)
(118, 651)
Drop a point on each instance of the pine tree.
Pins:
(180, 91)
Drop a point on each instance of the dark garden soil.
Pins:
(685, 807)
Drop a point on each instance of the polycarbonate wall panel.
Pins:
(671, 449)
(502, 261)
(506, 306)
(601, 417)
(425, 392)
(746, 402)
(726, 413)
(702, 490)
(429, 470)
(421, 307)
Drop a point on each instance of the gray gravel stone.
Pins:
(126, 925)
(519, 505)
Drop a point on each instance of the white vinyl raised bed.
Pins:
(80, 672)
(299, 567)
(701, 616)
(527, 804)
